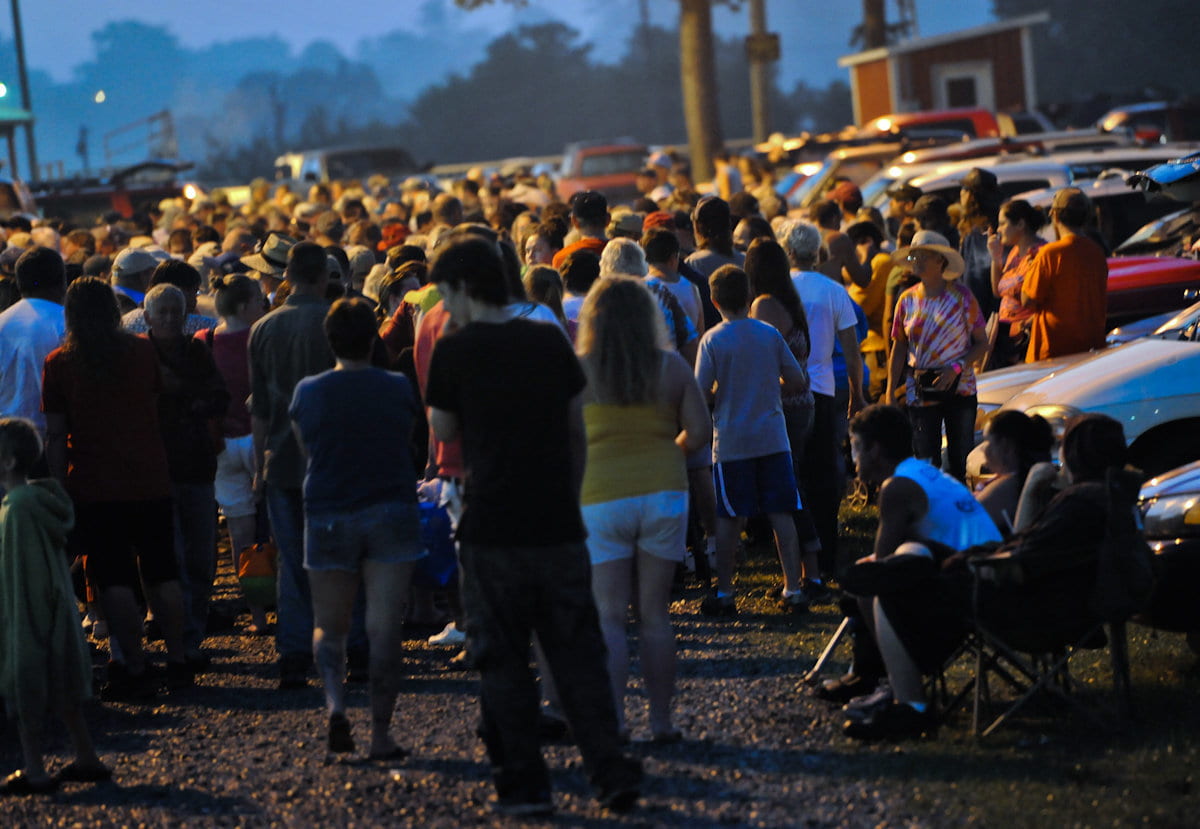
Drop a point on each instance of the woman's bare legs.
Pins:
(387, 586)
(611, 586)
(657, 639)
(333, 594)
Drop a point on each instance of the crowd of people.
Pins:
(599, 397)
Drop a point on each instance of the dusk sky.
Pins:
(58, 32)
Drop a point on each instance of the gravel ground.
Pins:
(235, 751)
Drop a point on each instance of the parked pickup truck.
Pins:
(610, 168)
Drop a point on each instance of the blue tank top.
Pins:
(954, 518)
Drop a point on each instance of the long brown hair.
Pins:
(94, 337)
(620, 341)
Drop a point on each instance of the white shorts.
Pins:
(654, 524)
(235, 477)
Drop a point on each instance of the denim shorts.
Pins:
(389, 533)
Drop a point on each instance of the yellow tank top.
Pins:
(631, 451)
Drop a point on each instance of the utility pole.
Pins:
(23, 77)
(699, 81)
(762, 48)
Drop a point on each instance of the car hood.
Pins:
(1135, 371)
(1183, 479)
(996, 387)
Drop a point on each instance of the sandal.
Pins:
(18, 783)
(76, 772)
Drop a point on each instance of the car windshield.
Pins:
(611, 163)
(1163, 234)
(814, 183)
(363, 163)
(874, 192)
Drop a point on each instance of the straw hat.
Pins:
(936, 243)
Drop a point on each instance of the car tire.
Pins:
(1193, 640)
(1166, 448)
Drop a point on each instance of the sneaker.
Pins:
(123, 686)
(341, 741)
(450, 636)
(179, 676)
(844, 688)
(525, 804)
(796, 603)
(552, 729)
(896, 721)
(864, 707)
(293, 672)
(715, 605)
(622, 788)
(816, 592)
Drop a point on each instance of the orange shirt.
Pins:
(1069, 282)
(591, 243)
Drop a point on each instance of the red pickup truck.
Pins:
(608, 168)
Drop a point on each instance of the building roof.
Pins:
(11, 116)
(921, 43)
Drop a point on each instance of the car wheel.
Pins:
(1166, 448)
(1193, 640)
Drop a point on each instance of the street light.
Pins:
(99, 97)
(3, 90)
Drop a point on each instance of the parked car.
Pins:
(331, 163)
(15, 198)
(1152, 386)
(1156, 121)
(1121, 211)
(83, 200)
(1177, 178)
(1170, 507)
(610, 168)
(1172, 235)
(975, 123)
(999, 388)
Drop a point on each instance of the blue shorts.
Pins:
(388, 533)
(756, 486)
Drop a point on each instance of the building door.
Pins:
(965, 84)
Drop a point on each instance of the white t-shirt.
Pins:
(29, 331)
(829, 310)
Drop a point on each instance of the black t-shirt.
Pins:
(510, 384)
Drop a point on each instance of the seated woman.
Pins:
(1015, 442)
(1052, 572)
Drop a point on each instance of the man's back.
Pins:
(286, 346)
(953, 517)
(510, 385)
(829, 310)
(29, 331)
(745, 358)
(1068, 280)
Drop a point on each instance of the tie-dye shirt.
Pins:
(938, 330)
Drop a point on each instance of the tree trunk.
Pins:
(699, 77)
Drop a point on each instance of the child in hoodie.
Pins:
(44, 662)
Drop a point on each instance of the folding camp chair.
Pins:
(1033, 664)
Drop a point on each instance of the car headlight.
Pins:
(1057, 416)
(984, 413)
(1172, 516)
